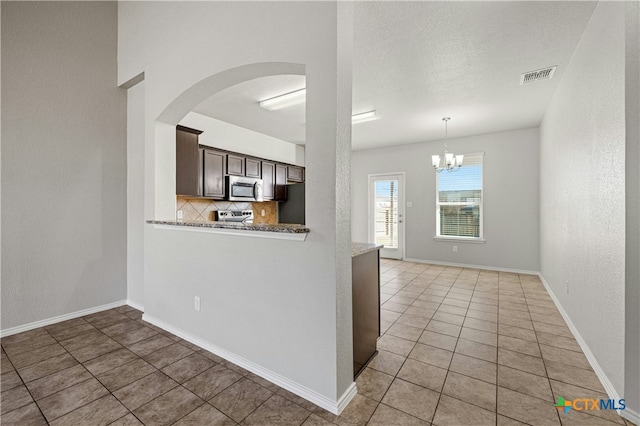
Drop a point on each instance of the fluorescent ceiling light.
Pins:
(365, 116)
(286, 100)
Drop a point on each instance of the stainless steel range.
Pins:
(244, 216)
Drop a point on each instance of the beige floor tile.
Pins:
(70, 332)
(584, 418)
(67, 400)
(558, 341)
(405, 331)
(24, 359)
(277, 411)
(479, 336)
(27, 415)
(564, 356)
(438, 340)
(373, 384)
(102, 411)
(558, 330)
(48, 366)
(55, 382)
(448, 318)
(526, 409)
(470, 390)
(454, 310)
(387, 362)
(506, 421)
(479, 324)
(517, 332)
(420, 312)
(573, 375)
(413, 321)
(476, 350)
(315, 420)
(387, 416)
(455, 302)
(240, 399)
(26, 342)
(431, 355)
(394, 307)
(473, 367)
(486, 316)
(505, 315)
(168, 408)
(205, 415)
(138, 393)
(357, 413)
(212, 381)
(10, 380)
(453, 412)
(150, 345)
(14, 398)
(522, 362)
(422, 374)
(91, 338)
(412, 399)
(444, 328)
(395, 344)
(125, 374)
(87, 353)
(525, 383)
(167, 355)
(518, 345)
(188, 367)
(389, 315)
(307, 405)
(110, 361)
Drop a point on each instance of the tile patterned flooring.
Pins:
(459, 347)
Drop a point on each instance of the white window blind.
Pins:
(459, 200)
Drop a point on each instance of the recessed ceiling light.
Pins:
(286, 100)
(365, 116)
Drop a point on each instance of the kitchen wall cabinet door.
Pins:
(252, 168)
(268, 180)
(281, 182)
(188, 162)
(295, 174)
(235, 165)
(214, 171)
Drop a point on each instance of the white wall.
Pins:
(220, 134)
(510, 198)
(289, 310)
(63, 162)
(135, 195)
(582, 180)
(632, 199)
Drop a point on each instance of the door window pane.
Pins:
(386, 213)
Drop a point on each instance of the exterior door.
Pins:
(386, 213)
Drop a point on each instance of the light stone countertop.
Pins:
(260, 227)
(361, 248)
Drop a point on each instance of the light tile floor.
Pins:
(459, 347)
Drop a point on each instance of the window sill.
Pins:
(461, 239)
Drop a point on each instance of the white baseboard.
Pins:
(322, 401)
(604, 380)
(60, 318)
(631, 415)
(466, 265)
(135, 305)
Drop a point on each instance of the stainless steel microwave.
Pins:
(243, 188)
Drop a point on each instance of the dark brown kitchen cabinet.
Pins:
(268, 180)
(214, 171)
(188, 162)
(235, 165)
(295, 174)
(252, 168)
(281, 182)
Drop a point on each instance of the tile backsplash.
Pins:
(202, 210)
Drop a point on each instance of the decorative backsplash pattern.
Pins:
(202, 210)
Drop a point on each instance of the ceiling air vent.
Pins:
(543, 74)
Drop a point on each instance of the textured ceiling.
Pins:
(416, 62)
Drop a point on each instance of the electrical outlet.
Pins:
(196, 303)
(262, 212)
(455, 249)
(179, 214)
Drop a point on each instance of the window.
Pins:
(459, 200)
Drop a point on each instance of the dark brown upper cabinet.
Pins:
(268, 180)
(188, 162)
(295, 174)
(214, 171)
(252, 168)
(235, 165)
(281, 182)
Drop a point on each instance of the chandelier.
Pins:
(450, 162)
